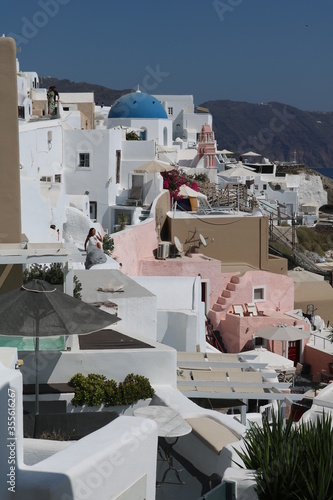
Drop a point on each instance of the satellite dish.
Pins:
(178, 245)
(202, 240)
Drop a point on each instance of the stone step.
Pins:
(221, 300)
(226, 293)
(217, 308)
(231, 287)
(235, 279)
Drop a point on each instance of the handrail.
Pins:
(211, 337)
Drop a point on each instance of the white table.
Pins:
(170, 425)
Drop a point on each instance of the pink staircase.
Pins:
(224, 302)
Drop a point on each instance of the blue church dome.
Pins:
(137, 105)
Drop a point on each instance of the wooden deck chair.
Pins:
(238, 309)
(251, 309)
(135, 196)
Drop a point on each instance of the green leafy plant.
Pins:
(132, 136)
(122, 220)
(312, 240)
(108, 244)
(291, 462)
(133, 386)
(52, 274)
(77, 288)
(95, 389)
(201, 177)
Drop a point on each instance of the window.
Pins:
(84, 160)
(93, 210)
(46, 179)
(259, 293)
(256, 187)
(57, 178)
(65, 108)
(258, 342)
(170, 111)
(21, 112)
(118, 160)
(264, 186)
(143, 134)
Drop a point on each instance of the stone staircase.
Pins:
(224, 301)
(145, 212)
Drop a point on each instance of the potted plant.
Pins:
(97, 393)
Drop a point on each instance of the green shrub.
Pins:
(112, 395)
(313, 241)
(134, 385)
(291, 462)
(132, 136)
(108, 244)
(201, 177)
(52, 274)
(77, 288)
(94, 390)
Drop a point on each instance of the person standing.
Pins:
(52, 98)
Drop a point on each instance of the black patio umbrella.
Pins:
(38, 309)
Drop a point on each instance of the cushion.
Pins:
(213, 433)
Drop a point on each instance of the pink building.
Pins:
(206, 146)
(263, 298)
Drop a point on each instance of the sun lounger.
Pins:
(238, 309)
(135, 196)
(212, 433)
(251, 309)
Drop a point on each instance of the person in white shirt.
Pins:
(94, 248)
(93, 239)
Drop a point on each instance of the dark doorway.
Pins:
(294, 348)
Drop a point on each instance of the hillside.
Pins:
(102, 94)
(272, 129)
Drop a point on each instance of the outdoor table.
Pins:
(170, 425)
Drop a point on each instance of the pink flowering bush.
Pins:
(173, 180)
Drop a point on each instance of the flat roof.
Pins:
(13, 253)
(94, 281)
(110, 339)
(76, 97)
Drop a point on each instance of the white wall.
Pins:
(154, 127)
(100, 178)
(180, 312)
(120, 457)
(173, 292)
(195, 121)
(40, 156)
(158, 363)
(138, 316)
(178, 329)
(42, 204)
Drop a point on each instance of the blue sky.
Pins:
(242, 50)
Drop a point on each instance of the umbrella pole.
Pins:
(37, 379)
